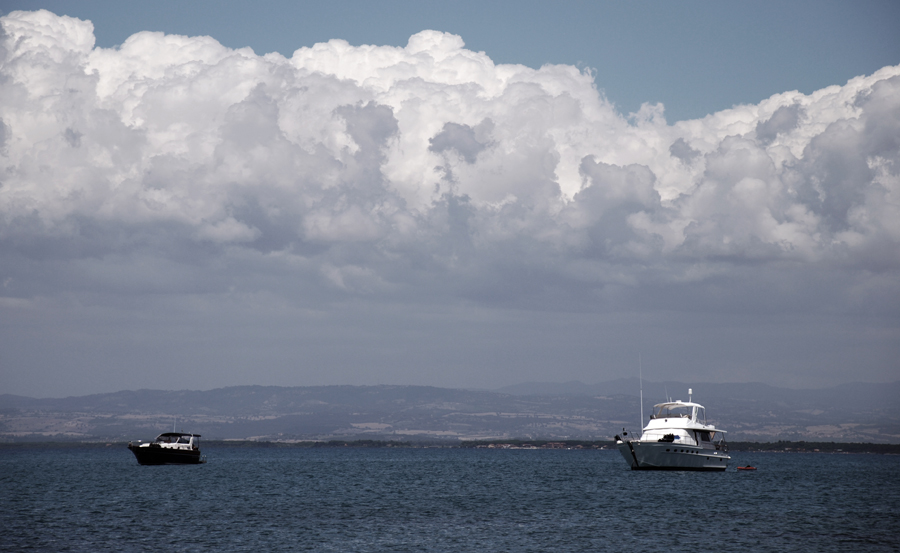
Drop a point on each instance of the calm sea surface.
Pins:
(259, 499)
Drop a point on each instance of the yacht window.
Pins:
(672, 412)
(704, 436)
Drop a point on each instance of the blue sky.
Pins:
(379, 203)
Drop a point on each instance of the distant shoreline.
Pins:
(765, 447)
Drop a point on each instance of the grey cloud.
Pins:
(682, 150)
(467, 141)
(370, 125)
(882, 108)
(73, 138)
(5, 133)
(252, 122)
(603, 208)
(833, 174)
(838, 175)
(785, 119)
(614, 186)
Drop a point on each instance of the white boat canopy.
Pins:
(679, 409)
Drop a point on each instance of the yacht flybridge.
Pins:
(676, 438)
(169, 448)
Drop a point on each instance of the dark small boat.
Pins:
(748, 467)
(169, 448)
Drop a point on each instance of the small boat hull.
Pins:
(672, 456)
(155, 455)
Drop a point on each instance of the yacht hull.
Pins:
(671, 456)
(154, 455)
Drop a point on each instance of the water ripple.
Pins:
(246, 499)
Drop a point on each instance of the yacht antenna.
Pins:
(641, 379)
(174, 422)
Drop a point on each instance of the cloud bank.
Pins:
(172, 165)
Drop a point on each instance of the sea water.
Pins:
(394, 499)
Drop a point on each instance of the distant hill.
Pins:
(749, 412)
(855, 396)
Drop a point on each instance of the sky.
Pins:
(196, 195)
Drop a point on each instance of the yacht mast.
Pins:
(641, 378)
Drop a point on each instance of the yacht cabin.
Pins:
(682, 423)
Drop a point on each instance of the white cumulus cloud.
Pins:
(372, 168)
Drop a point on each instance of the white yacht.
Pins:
(676, 438)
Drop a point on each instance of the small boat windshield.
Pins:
(176, 439)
